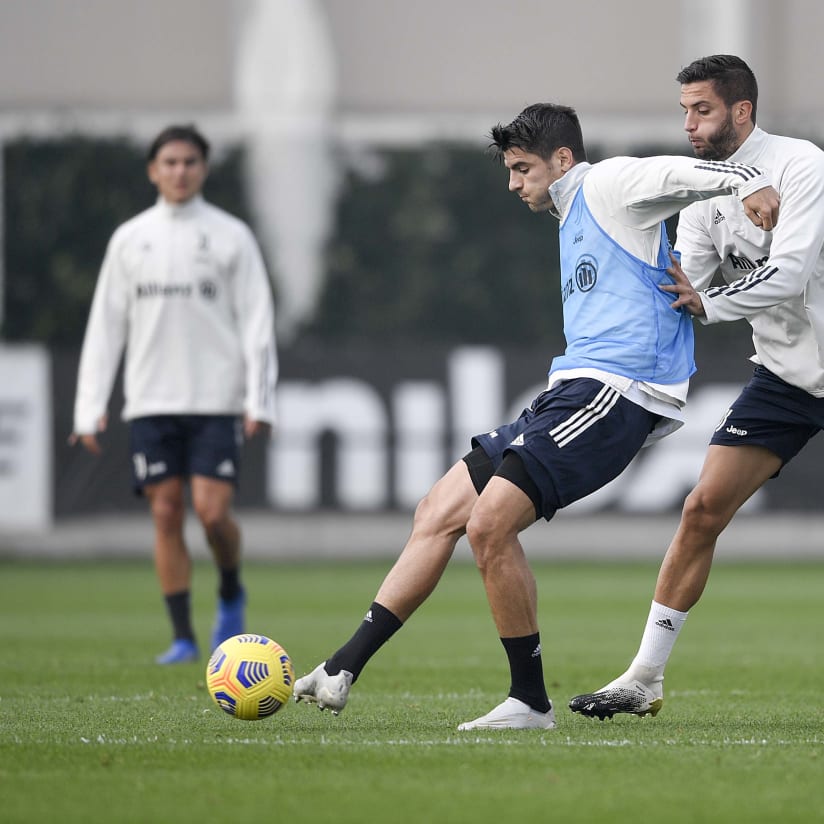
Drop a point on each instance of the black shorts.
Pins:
(771, 413)
(574, 439)
(171, 446)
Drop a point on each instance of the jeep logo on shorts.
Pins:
(586, 272)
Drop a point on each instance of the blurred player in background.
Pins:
(622, 382)
(774, 280)
(184, 289)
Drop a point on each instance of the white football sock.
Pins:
(660, 635)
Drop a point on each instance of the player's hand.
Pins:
(761, 208)
(89, 441)
(251, 428)
(682, 288)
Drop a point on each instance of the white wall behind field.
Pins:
(334, 537)
(439, 59)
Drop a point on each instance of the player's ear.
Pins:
(741, 111)
(565, 158)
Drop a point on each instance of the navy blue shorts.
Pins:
(574, 439)
(171, 446)
(771, 413)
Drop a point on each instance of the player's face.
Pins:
(178, 171)
(530, 177)
(708, 122)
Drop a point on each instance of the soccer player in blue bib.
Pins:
(621, 383)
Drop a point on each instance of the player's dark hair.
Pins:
(540, 129)
(188, 134)
(731, 77)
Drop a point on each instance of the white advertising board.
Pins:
(25, 439)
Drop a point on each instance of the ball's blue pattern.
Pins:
(250, 673)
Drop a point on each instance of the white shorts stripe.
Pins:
(581, 420)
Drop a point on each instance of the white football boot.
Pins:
(512, 714)
(327, 691)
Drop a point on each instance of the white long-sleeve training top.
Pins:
(629, 197)
(774, 279)
(184, 289)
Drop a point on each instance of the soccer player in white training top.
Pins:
(184, 291)
(774, 280)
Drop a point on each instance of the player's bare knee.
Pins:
(700, 514)
(433, 519)
(168, 514)
(217, 525)
(212, 511)
(484, 536)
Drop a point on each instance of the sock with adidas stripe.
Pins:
(526, 671)
(660, 634)
(377, 627)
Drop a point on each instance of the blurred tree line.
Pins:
(427, 246)
(432, 247)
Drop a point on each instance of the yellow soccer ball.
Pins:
(250, 676)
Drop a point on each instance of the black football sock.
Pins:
(377, 627)
(526, 671)
(229, 583)
(178, 606)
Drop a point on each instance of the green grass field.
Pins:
(92, 731)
